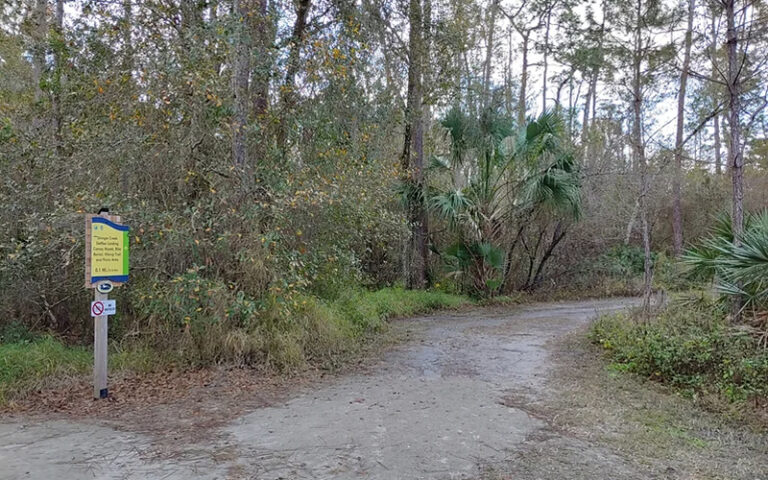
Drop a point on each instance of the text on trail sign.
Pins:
(109, 251)
(103, 307)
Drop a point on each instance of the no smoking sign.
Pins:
(103, 307)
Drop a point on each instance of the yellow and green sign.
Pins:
(109, 251)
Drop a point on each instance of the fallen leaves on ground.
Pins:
(172, 405)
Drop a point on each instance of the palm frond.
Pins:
(463, 133)
(557, 187)
(408, 193)
(492, 254)
(439, 164)
(741, 269)
(449, 205)
(703, 260)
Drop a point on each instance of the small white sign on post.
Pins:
(103, 307)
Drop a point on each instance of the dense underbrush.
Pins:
(690, 345)
(279, 338)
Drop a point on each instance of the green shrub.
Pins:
(616, 272)
(690, 346)
(737, 268)
(194, 321)
(17, 332)
(623, 260)
(201, 321)
(670, 275)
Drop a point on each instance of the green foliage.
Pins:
(27, 365)
(494, 178)
(17, 332)
(24, 365)
(738, 269)
(6, 130)
(670, 274)
(691, 346)
(623, 260)
(450, 205)
(196, 323)
(270, 264)
(369, 309)
(622, 265)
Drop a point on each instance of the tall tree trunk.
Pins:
(508, 80)
(458, 12)
(427, 73)
(718, 146)
(458, 93)
(296, 41)
(288, 94)
(560, 86)
(58, 59)
(472, 105)
(263, 34)
(492, 9)
(413, 153)
(127, 24)
(521, 107)
(647, 258)
(38, 17)
(241, 70)
(716, 122)
(585, 123)
(639, 152)
(545, 64)
(631, 223)
(591, 100)
(677, 210)
(571, 113)
(735, 159)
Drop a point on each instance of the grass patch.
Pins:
(310, 332)
(691, 346)
(645, 423)
(370, 309)
(660, 424)
(26, 366)
(32, 365)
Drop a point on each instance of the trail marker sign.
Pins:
(106, 267)
(105, 286)
(106, 250)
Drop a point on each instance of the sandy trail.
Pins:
(432, 408)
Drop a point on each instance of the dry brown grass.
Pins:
(639, 429)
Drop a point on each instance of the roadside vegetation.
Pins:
(320, 334)
(714, 341)
(647, 427)
(690, 345)
(296, 173)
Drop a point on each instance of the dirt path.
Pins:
(451, 403)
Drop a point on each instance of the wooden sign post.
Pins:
(106, 266)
